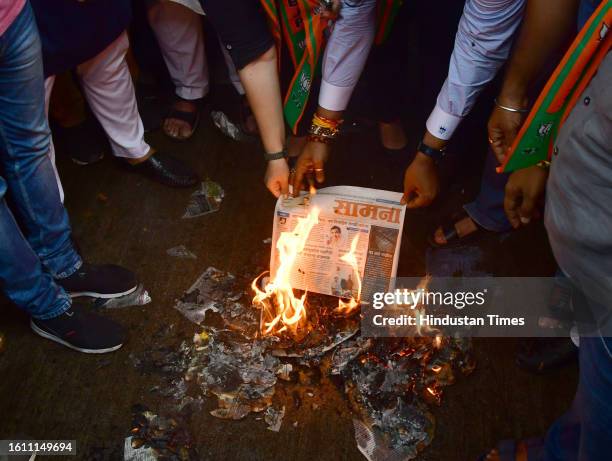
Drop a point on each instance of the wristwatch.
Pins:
(276, 155)
(435, 154)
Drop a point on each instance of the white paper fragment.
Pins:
(181, 251)
(274, 418)
(137, 454)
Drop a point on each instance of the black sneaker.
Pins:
(105, 281)
(82, 331)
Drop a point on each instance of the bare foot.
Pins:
(176, 128)
(521, 453)
(392, 135)
(464, 227)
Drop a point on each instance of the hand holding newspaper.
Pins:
(373, 217)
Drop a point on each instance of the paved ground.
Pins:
(50, 392)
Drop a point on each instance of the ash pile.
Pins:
(390, 383)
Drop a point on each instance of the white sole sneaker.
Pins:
(93, 294)
(54, 338)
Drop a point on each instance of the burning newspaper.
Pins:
(351, 241)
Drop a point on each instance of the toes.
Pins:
(184, 131)
(493, 455)
(439, 236)
(176, 128)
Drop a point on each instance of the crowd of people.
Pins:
(297, 106)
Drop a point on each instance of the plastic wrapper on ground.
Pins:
(204, 201)
(138, 297)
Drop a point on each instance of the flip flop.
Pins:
(451, 236)
(191, 118)
(507, 449)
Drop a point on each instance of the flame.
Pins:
(344, 307)
(281, 309)
(434, 394)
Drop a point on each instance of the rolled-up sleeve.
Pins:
(346, 52)
(482, 45)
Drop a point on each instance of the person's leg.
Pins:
(24, 155)
(109, 90)
(81, 137)
(181, 40)
(22, 277)
(488, 208)
(49, 81)
(29, 179)
(486, 211)
(585, 431)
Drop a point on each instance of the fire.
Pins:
(281, 310)
(344, 307)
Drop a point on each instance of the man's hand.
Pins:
(312, 158)
(503, 127)
(421, 184)
(523, 190)
(277, 177)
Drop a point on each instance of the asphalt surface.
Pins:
(49, 392)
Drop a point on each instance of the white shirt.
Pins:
(482, 45)
(346, 52)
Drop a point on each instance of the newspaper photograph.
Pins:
(365, 222)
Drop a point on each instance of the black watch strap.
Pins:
(435, 154)
(276, 155)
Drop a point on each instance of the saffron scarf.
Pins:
(534, 142)
(299, 24)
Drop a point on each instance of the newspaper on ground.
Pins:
(374, 217)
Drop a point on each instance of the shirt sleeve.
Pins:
(346, 52)
(482, 45)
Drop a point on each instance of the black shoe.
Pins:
(85, 143)
(167, 170)
(82, 331)
(107, 281)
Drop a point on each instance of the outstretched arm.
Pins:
(482, 45)
(343, 62)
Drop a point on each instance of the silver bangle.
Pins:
(510, 109)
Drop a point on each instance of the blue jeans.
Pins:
(585, 432)
(488, 209)
(35, 236)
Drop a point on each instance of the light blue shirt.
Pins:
(482, 45)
